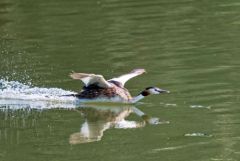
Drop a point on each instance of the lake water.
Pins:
(188, 47)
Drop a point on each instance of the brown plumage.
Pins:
(94, 92)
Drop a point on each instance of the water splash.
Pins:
(14, 94)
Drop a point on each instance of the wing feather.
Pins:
(89, 79)
(124, 78)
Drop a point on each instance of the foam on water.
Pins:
(14, 94)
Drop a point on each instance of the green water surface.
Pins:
(190, 47)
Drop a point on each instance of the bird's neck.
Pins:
(137, 98)
(140, 96)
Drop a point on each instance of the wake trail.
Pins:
(15, 95)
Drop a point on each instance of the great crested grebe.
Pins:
(98, 89)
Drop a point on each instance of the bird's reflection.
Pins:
(99, 118)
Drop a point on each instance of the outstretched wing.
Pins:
(124, 78)
(89, 79)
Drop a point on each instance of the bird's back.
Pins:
(96, 92)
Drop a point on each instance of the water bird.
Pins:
(97, 89)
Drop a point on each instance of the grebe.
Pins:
(98, 89)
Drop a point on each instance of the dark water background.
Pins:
(189, 47)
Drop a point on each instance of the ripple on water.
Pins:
(169, 104)
(198, 134)
(177, 147)
(200, 106)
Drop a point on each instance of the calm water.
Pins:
(189, 47)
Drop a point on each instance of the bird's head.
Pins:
(153, 90)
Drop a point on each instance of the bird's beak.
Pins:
(163, 91)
